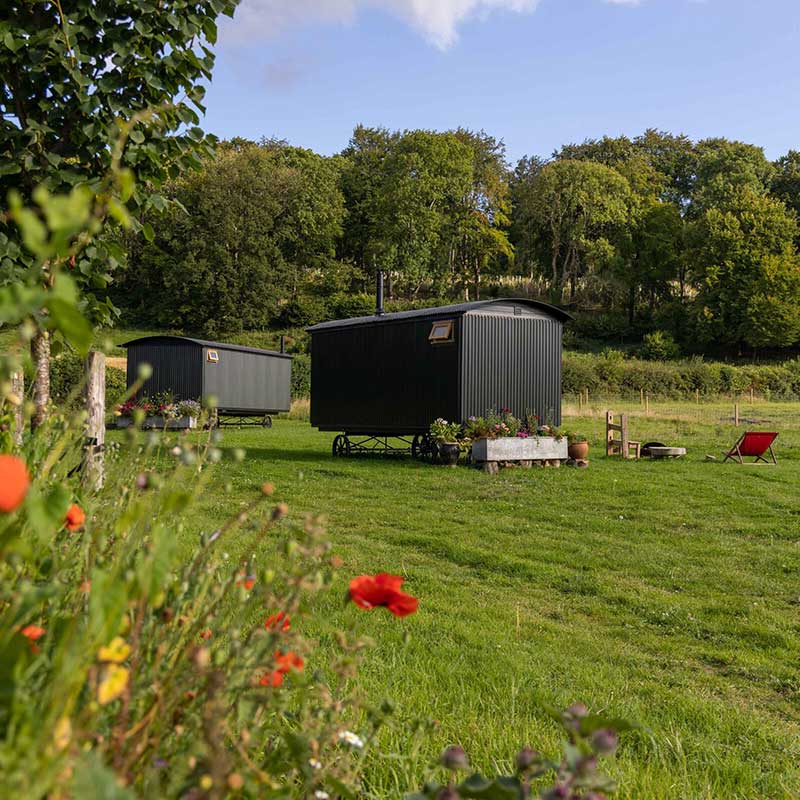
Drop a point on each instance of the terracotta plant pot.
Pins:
(579, 451)
(449, 453)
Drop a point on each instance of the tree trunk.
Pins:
(40, 351)
(477, 280)
(631, 304)
(18, 390)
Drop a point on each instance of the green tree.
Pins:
(84, 82)
(574, 211)
(242, 239)
(747, 272)
(786, 180)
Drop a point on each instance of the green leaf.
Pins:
(480, 788)
(93, 779)
(66, 318)
(148, 232)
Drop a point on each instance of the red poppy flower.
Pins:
(286, 662)
(206, 634)
(75, 518)
(248, 581)
(279, 621)
(368, 591)
(32, 632)
(273, 679)
(14, 482)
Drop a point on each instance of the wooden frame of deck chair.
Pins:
(753, 444)
(623, 446)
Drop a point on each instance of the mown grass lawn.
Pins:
(667, 593)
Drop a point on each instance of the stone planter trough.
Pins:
(534, 448)
(181, 423)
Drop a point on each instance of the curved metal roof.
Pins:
(438, 311)
(205, 343)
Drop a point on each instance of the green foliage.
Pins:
(301, 376)
(659, 346)
(612, 375)
(89, 93)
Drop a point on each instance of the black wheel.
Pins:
(267, 421)
(341, 447)
(424, 448)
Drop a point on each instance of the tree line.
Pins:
(657, 232)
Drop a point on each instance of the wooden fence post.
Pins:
(697, 396)
(641, 396)
(751, 396)
(18, 390)
(94, 460)
(647, 403)
(736, 414)
(580, 403)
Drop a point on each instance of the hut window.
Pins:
(441, 332)
(212, 356)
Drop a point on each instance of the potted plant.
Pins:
(446, 434)
(578, 446)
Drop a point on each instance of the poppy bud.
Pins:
(454, 758)
(202, 657)
(141, 480)
(268, 489)
(578, 710)
(526, 758)
(604, 742)
(280, 511)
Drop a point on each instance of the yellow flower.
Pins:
(115, 679)
(116, 652)
(62, 734)
(206, 782)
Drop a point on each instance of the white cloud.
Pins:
(437, 20)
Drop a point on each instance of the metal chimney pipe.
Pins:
(379, 295)
(283, 343)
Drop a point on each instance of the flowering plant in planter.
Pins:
(575, 438)
(445, 432)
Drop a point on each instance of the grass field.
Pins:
(667, 593)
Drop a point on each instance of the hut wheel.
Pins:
(266, 422)
(424, 447)
(341, 446)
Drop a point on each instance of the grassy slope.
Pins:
(665, 593)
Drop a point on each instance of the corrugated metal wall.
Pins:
(513, 362)
(384, 378)
(248, 382)
(177, 368)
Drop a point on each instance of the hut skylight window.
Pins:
(441, 332)
(213, 356)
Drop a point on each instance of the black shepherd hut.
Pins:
(246, 381)
(391, 375)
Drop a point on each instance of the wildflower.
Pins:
(279, 621)
(33, 633)
(284, 663)
(321, 795)
(315, 763)
(272, 679)
(75, 518)
(206, 634)
(248, 581)
(113, 684)
(454, 758)
(14, 482)
(116, 652)
(348, 737)
(604, 741)
(368, 591)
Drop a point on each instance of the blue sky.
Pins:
(547, 73)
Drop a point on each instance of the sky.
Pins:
(535, 73)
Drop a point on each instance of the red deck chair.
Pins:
(754, 444)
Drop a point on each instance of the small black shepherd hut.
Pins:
(247, 382)
(391, 375)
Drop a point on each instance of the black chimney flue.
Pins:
(379, 295)
(283, 343)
